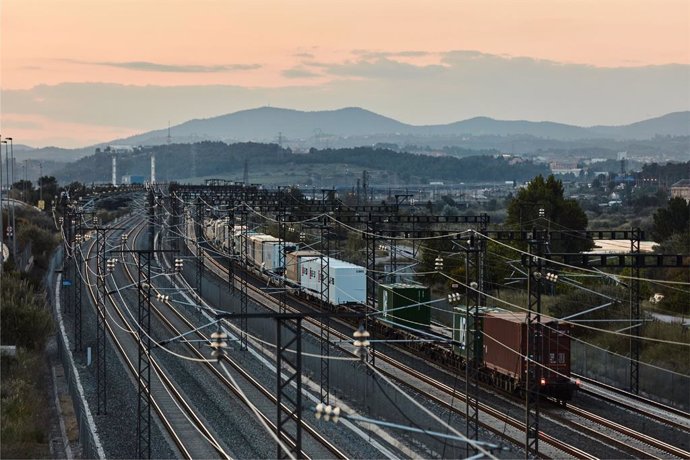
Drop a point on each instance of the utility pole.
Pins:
(2, 226)
(78, 281)
(635, 239)
(473, 339)
(144, 361)
(101, 376)
(534, 344)
(198, 230)
(14, 221)
(244, 253)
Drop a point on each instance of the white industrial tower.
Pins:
(153, 168)
(113, 179)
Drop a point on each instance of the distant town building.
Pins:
(113, 148)
(560, 167)
(681, 189)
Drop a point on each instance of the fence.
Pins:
(657, 384)
(90, 444)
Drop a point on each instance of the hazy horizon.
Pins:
(84, 72)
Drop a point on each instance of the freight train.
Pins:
(404, 312)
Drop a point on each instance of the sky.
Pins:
(79, 72)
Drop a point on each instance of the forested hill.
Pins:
(217, 159)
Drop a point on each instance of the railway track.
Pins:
(184, 426)
(632, 441)
(183, 323)
(620, 437)
(671, 416)
(313, 327)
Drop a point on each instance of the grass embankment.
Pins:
(26, 322)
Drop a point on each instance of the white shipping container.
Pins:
(272, 258)
(347, 284)
(219, 231)
(256, 247)
(238, 238)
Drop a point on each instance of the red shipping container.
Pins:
(505, 347)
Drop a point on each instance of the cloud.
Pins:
(465, 84)
(371, 54)
(146, 66)
(299, 72)
(304, 55)
(378, 68)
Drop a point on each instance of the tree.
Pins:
(541, 205)
(675, 218)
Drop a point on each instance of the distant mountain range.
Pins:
(267, 124)
(349, 127)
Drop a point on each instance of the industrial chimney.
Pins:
(113, 178)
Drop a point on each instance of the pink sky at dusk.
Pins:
(257, 44)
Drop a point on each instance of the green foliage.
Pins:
(453, 261)
(673, 357)
(573, 300)
(669, 172)
(42, 241)
(24, 408)
(559, 213)
(25, 320)
(217, 158)
(675, 218)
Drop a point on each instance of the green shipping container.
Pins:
(392, 298)
(460, 326)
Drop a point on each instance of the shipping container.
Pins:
(219, 233)
(347, 283)
(293, 269)
(399, 303)
(506, 345)
(460, 326)
(238, 239)
(273, 260)
(256, 248)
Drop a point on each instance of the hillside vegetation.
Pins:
(216, 158)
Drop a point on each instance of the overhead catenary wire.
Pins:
(524, 309)
(575, 267)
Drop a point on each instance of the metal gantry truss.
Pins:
(101, 375)
(199, 236)
(474, 261)
(68, 229)
(289, 362)
(635, 316)
(144, 362)
(244, 253)
(534, 348)
(230, 232)
(324, 323)
(78, 282)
